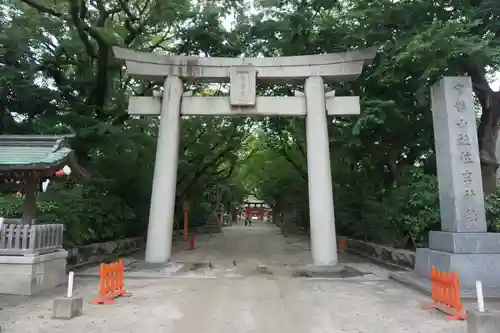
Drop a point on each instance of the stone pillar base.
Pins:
(29, 275)
(482, 322)
(67, 308)
(474, 256)
(211, 227)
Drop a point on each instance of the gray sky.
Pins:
(495, 83)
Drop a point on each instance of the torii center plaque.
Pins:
(242, 90)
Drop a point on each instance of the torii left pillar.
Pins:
(160, 229)
(321, 211)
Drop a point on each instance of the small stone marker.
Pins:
(482, 322)
(261, 268)
(69, 306)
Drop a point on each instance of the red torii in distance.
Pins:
(248, 210)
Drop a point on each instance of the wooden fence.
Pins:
(25, 239)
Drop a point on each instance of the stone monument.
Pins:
(211, 226)
(244, 74)
(462, 245)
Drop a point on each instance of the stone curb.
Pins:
(96, 253)
(396, 258)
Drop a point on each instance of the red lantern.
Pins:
(66, 171)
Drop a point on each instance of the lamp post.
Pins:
(219, 195)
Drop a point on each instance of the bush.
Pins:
(493, 211)
(89, 216)
(418, 210)
(402, 216)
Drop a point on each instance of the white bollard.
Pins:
(45, 185)
(480, 299)
(71, 276)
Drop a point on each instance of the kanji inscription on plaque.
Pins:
(467, 177)
(470, 217)
(460, 106)
(466, 157)
(459, 87)
(462, 123)
(463, 139)
(469, 193)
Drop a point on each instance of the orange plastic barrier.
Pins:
(446, 294)
(111, 284)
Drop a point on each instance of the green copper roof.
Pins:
(32, 150)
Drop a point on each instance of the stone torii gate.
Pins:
(243, 74)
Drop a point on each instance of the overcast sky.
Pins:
(495, 84)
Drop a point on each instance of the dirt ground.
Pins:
(236, 296)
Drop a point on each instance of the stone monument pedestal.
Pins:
(211, 227)
(474, 256)
(29, 275)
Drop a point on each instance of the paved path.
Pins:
(238, 299)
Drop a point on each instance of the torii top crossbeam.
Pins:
(335, 67)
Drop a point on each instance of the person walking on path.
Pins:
(248, 221)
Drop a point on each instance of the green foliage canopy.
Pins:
(58, 75)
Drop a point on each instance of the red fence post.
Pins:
(192, 242)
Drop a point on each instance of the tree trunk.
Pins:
(29, 203)
(274, 216)
(488, 135)
(234, 216)
(487, 132)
